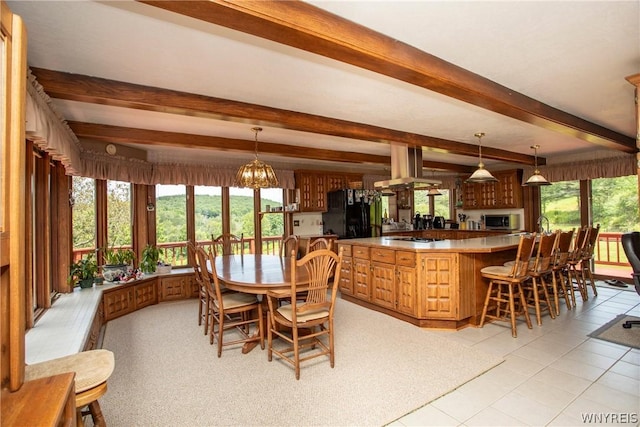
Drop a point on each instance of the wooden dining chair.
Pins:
(203, 303)
(505, 286)
(230, 311)
(289, 244)
(536, 286)
(319, 243)
(306, 327)
(559, 269)
(227, 244)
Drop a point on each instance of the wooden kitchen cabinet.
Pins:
(313, 187)
(146, 294)
(439, 286)
(173, 288)
(346, 272)
(361, 272)
(505, 193)
(313, 191)
(118, 302)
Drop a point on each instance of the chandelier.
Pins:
(537, 178)
(256, 174)
(481, 174)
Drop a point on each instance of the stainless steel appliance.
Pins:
(502, 222)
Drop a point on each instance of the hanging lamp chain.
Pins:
(256, 130)
(479, 135)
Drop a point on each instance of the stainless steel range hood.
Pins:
(406, 170)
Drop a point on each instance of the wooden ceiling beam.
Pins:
(77, 87)
(304, 26)
(126, 135)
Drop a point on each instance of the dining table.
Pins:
(256, 274)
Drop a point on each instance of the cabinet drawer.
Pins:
(406, 259)
(383, 255)
(346, 251)
(360, 252)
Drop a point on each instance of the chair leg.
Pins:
(554, 289)
(331, 353)
(486, 303)
(523, 301)
(545, 293)
(296, 351)
(96, 414)
(536, 300)
(269, 337)
(512, 309)
(206, 318)
(220, 334)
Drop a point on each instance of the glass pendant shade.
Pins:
(481, 174)
(537, 178)
(256, 174)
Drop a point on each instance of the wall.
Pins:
(309, 224)
(474, 214)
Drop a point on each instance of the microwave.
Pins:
(502, 222)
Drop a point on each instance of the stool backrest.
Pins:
(523, 256)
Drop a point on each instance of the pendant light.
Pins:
(537, 178)
(481, 174)
(256, 174)
(433, 190)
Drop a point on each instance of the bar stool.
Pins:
(536, 287)
(503, 280)
(558, 271)
(92, 368)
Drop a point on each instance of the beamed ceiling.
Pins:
(334, 83)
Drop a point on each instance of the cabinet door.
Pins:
(439, 285)
(118, 303)
(336, 182)
(383, 284)
(488, 195)
(172, 288)
(361, 273)
(406, 290)
(346, 280)
(320, 194)
(146, 294)
(469, 197)
(510, 190)
(313, 192)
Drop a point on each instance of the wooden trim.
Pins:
(191, 220)
(42, 249)
(226, 222)
(307, 27)
(140, 219)
(82, 88)
(585, 203)
(13, 182)
(62, 233)
(101, 217)
(31, 229)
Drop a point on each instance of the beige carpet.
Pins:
(614, 332)
(167, 374)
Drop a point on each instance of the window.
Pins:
(441, 204)
(171, 223)
(560, 203)
(84, 215)
(208, 212)
(422, 203)
(615, 204)
(119, 214)
(241, 212)
(272, 226)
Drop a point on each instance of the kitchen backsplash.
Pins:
(308, 224)
(475, 214)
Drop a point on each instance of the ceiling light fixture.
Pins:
(481, 174)
(433, 190)
(536, 178)
(256, 174)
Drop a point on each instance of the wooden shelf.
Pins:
(278, 212)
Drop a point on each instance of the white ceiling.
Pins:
(571, 55)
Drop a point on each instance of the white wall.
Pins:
(309, 224)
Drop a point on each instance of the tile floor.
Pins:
(553, 374)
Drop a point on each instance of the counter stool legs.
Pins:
(503, 296)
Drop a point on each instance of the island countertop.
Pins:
(475, 245)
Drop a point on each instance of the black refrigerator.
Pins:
(349, 214)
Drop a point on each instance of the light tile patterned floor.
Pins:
(553, 374)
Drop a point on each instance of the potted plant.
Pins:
(83, 271)
(118, 262)
(150, 259)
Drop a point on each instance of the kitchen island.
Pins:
(434, 284)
